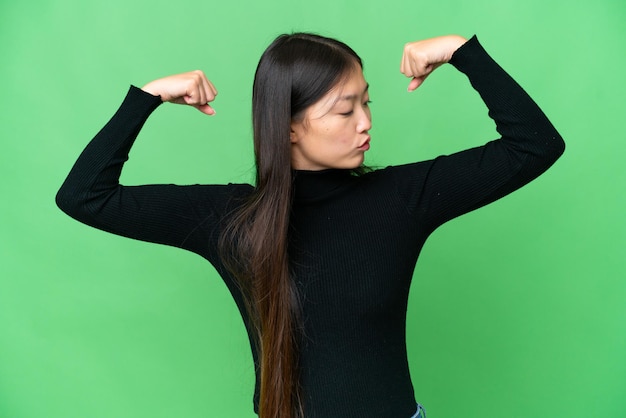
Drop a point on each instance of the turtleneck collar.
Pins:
(313, 186)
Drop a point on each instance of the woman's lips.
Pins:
(365, 145)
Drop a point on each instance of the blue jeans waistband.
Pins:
(420, 413)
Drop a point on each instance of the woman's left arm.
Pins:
(461, 182)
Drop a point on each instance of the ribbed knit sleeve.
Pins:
(181, 216)
(449, 186)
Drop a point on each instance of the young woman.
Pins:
(319, 253)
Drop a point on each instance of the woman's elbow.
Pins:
(69, 202)
(558, 145)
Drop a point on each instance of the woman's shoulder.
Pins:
(218, 192)
(398, 171)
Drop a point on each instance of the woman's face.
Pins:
(334, 131)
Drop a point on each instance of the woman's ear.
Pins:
(293, 133)
(292, 136)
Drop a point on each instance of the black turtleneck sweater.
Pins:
(355, 239)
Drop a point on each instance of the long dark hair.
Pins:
(294, 72)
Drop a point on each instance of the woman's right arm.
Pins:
(165, 214)
(192, 88)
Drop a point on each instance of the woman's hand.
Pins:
(192, 88)
(422, 57)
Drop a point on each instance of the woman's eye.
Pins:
(350, 112)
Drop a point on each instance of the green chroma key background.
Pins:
(517, 310)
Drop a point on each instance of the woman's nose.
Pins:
(365, 120)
